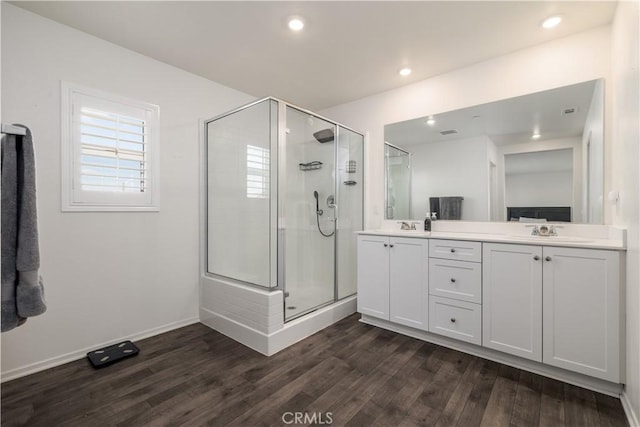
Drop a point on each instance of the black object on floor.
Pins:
(108, 355)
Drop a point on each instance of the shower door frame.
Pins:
(282, 134)
(273, 195)
(277, 245)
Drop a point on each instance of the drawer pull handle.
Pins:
(453, 320)
(385, 245)
(537, 258)
(547, 258)
(390, 246)
(453, 250)
(453, 280)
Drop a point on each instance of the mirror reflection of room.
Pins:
(537, 157)
(397, 166)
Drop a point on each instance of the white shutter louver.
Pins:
(257, 172)
(112, 151)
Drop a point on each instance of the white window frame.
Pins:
(74, 199)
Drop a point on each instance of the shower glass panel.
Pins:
(307, 212)
(239, 175)
(397, 163)
(350, 196)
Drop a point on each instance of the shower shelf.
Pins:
(310, 166)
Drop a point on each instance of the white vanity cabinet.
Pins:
(373, 276)
(559, 306)
(544, 306)
(512, 299)
(582, 314)
(455, 288)
(393, 279)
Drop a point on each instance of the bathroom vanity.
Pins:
(548, 304)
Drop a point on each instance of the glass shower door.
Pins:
(306, 217)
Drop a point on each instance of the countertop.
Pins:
(561, 240)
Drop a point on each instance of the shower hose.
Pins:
(320, 229)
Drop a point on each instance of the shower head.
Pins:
(324, 135)
(315, 194)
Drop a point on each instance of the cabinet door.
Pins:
(373, 276)
(582, 311)
(408, 282)
(512, 299)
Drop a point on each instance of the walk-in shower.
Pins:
(283, 197)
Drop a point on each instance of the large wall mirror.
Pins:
(537, 157)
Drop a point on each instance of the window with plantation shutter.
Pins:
(110, 149)
(257, 172)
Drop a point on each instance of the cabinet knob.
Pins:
(385, 245)
(453, 250)
(453, 280)
(390, 246)
(537, 258)
(547, 258)
(453, 320)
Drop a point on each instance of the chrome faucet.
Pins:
(553, 231)
(544, 230)
(535, 230)
(405, 225)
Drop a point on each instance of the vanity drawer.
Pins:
(459, 280)
(456, 319)
(460, 250)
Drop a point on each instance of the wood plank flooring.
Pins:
(350, 373)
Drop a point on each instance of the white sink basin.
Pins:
(568, 239)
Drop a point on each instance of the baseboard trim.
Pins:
(82, 353)
(580, 380)
(309, 324)
(291, 333)
(632, 417)
(235, 330)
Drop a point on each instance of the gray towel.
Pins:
(22, 290)
(451, 207)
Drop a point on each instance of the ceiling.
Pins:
(509, 121)
(347, 50)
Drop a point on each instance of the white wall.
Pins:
(434, 174)
(626, 134)
(107, 275)
(539, 189)
(569, 60)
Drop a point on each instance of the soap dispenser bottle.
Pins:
(434, 216)
(427, 222)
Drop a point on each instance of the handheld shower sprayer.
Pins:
(330, 202)
(318, 210)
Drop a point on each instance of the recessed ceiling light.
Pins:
(551, 21)
(405, 71)
(296, 23)
(535, 136)
(431, 121)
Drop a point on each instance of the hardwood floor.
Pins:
(350, 373)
